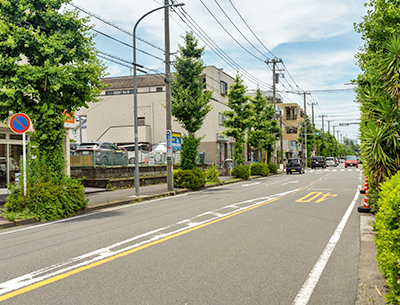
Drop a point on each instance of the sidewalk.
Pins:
(371, 285)
(103, 198)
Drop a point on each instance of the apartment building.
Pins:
(112, 118)
(292, 118)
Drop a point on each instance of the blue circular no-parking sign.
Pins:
(20, 123)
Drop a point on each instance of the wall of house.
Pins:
(112, 119)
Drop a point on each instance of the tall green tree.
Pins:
(264, 128)
(378, 91)
(239, 119)
(48, 65)
(190, 103)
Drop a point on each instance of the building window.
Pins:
(141, 121)
(159, 89)
(16, 137)
(203, 80)
(291, 113)
(224, 88)
(116, 92)
(220, 119)
(2, 136)
(291, 130)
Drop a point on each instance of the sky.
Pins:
(315, 39)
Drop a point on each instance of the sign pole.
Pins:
(24, 161)
(20, 123)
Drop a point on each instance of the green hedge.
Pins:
(242, 172)
(273, 168)
(387, 227)
(212, 174)
(189, 178)
(259, 169)
(48, 197)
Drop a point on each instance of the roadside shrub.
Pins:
(273, 168)
(387, 227)
(189, 178)
(48, 196)
(242, 172)
(212, 174)
(189, 151)
(259, 169)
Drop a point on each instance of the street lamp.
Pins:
(136, 176)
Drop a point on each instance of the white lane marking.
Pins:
(306, 291)
(131, 243)
(250, 184)
(36, 226)
(290, 182)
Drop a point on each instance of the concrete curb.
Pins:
(5, 224)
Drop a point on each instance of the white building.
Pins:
(112, 119)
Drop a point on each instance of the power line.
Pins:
(126, 44)
(201, 34)
(251, 29)
(216, 19)
(239, 30)
(114, 26)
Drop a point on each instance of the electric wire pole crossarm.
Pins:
(136, 174)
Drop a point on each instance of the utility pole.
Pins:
(329, 125)
(312, 111)
(170, 178)
(323, 116)
(274, 61)
(305, 128)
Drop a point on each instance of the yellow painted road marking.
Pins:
(326, 196)
(111, 258)
(306, 199)
(314, 195)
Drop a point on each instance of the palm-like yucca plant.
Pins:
(379, 105)
(389, 67)
(379, 140)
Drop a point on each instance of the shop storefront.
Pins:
(10, 157)
(225, 149)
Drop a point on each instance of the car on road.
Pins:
(318, 161)
(351, 161)
(105, 153)
(330, 161)
(295, 165)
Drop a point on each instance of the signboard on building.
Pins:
(69, 119)
(223, 138)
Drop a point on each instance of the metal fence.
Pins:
(97, 159)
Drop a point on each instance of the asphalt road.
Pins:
(285, 239)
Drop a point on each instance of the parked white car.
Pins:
(330, 161)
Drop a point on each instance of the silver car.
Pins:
(330, 161)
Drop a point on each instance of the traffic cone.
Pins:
(366, 208)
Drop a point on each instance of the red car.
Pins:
(351, 161)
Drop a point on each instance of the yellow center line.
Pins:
(111, 258)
